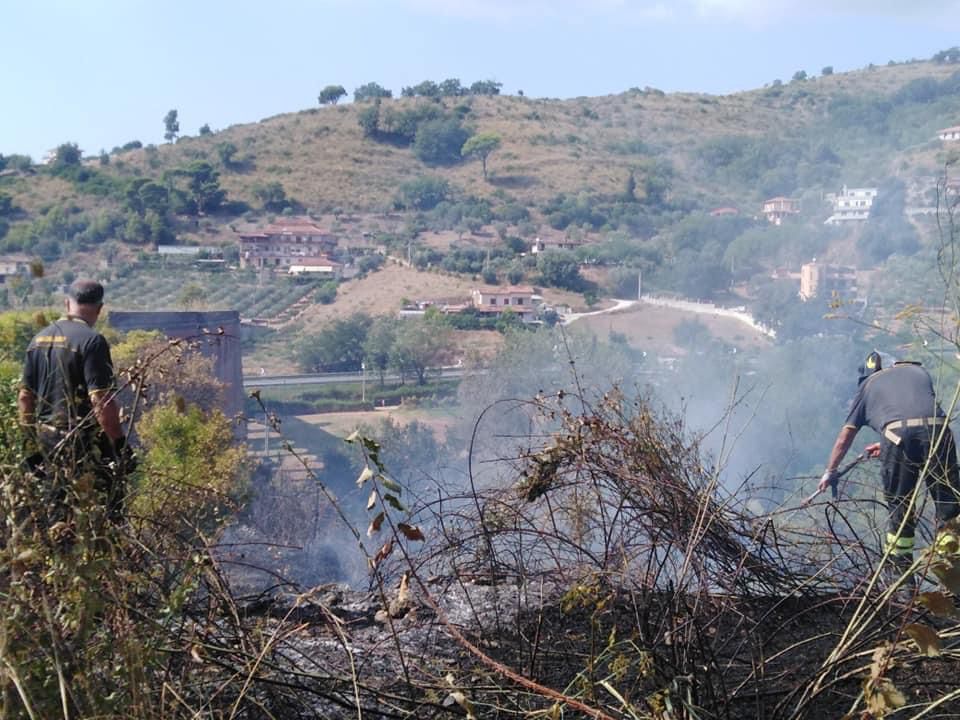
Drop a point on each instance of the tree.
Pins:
(337, 347)
(630, 188)
(191, 296)
(378, 347)
(424, 193)
(481, 145)
(272, 196)
(227, 151)
(171, 126)
(485, 87)
(827, 70)
(67, 155)
(428, 88)
(331, 94)
(559, 268)
(799, 76)
(371, 91)
(451, 87)
(205, 130)
(369, 120)
(438, 142)
(421, 343)
(203, 186)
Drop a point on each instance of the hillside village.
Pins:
(464, 400)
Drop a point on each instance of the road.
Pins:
(620, 305)
(251, 382)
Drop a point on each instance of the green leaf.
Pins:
(395, 502)
(391, 485)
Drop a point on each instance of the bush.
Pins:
(438, 142)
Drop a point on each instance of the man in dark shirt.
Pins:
(899, 403)
(66, 400)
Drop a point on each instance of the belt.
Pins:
(889, 430)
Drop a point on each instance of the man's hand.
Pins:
(125, 457)
(872, 450)
(828, 480)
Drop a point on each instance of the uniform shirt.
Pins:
(66, 362)
(902, 392)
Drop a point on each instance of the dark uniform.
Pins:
(899, 403)
(66, 363)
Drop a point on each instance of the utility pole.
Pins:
(363, 382)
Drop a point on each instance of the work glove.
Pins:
(829, 479)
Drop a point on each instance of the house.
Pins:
(818, 279)
(519, 299)
(557, 242)
(317, 267)
(949, 134)
(285, 243)
(13, 265)
(777, 208)
(850, 205)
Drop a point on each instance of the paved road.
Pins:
(620, 305)
(251, 382)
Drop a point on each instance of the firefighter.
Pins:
(67, 403)
(899, 403)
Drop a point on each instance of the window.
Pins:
(519, 301)
(493, 301)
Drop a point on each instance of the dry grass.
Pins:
(549, 146)
(380, 293)
(651, 328)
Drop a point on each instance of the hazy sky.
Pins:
(103, 72)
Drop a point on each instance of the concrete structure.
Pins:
(818, 279)
(216, 335)
(555, 243)
(779, 208)
(850, 205)
(949, 134)
(189, 250)
(13, 265)
(316, 267)
(283, 244)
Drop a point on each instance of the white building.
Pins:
(850, 205)
(949, 134)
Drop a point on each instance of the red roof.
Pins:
(725, 211)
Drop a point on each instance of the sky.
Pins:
(101, 73)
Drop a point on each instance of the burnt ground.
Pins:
(664, 655)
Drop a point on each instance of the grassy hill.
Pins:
(641, 169)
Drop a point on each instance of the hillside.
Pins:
(628, 181)
(323, 161)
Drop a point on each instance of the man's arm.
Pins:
(26, 407)
(107, 413)
(840, 446)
